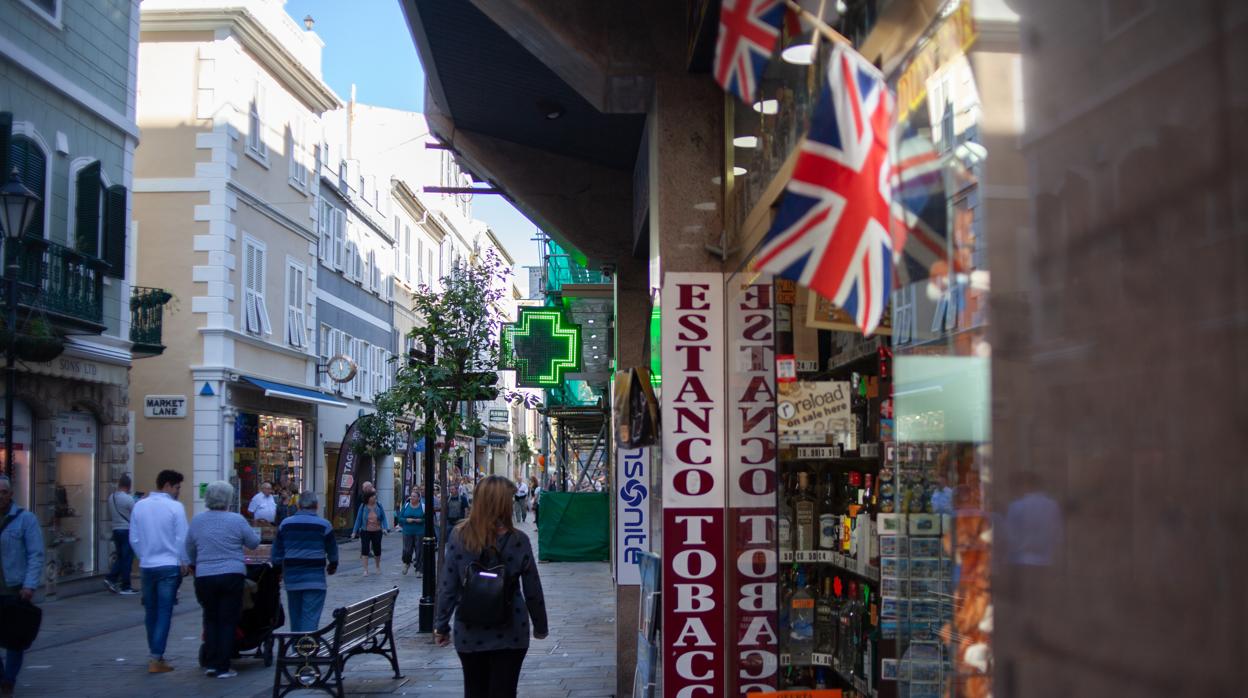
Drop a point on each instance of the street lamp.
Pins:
(429, 543)
(17, 207)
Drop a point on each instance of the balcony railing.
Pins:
(65, 284)
(146, 320)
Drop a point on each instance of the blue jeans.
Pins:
(120, 573)
(305, 609)
(11, 665)
(160, 593)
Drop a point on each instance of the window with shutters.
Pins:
(407, 255)
(324, 350)
(374, 273)
(429, 268)
(32, 169)
(325, 223)
(88, 200)
(365, 374)
(340, 238)
(349, 346)
(255, 126)
(255, 313)
(358, 264)
(298, 164)
(296, 299)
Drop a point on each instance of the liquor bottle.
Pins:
(850, 511)
(828, 538)
(821, 678)
(804, 514)
(858, 407)
(825, 619)
(786, 593)
(844, 634)
(801, 622)
(785, 522)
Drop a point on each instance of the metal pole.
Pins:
(428, 547)
(10, 372)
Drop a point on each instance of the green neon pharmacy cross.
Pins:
(546, 347)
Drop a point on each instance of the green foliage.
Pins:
(377, 434)
(524, 452)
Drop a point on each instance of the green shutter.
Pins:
(31, 164)
(87, 210)
(6, 134)
(115, 224)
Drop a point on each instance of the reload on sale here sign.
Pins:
(814, 407)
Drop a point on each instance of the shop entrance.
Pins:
(268, 448)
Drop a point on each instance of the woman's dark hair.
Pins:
(168, 477)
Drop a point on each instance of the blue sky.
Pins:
(367, 43)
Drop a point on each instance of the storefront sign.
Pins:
(164, 406)
(753, 660)
(814, 407)
(75, 432)
(498, 415)
(693, 485)
(74, 368)
(632, 512)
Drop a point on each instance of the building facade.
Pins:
(227, 192)
(68, 132)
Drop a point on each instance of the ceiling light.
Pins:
(767, 107)
(745, 141)
(705, 206)
(739, 171)
(842, 8)
(550, 108)
(799, 54)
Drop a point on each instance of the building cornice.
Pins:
(255, 37)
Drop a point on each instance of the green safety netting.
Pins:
(562, 268)
(573, 393)
(573, 527)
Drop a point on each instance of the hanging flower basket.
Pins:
(39, 349)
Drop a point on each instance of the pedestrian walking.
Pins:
(158, 535)
(456, 506)
(263, 506)
(411, 519)
(21, 565)
(120, 504)
(535, 495)
(491, 655)
(214, 549)
(370, 525)
(522, 501)
(306, 550)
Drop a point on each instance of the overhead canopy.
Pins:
(292, 392)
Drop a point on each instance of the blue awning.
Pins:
(293, 392)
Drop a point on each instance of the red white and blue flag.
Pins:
(748, 31)
(832, 233)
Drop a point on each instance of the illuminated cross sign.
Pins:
(545, 345)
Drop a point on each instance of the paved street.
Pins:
(94, 645)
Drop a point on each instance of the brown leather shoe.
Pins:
(159, 666)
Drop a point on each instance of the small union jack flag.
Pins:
(748, 31)
(832, 231)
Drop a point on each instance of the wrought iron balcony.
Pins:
(62, 283)
(146, 320)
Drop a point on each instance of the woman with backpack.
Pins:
(489, 581)
(370, 525)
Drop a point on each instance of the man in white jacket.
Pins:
(158, 535)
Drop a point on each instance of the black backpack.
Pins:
(488, 590)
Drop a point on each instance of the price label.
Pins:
(786, 368)
(818, 452)
(786, 556)
(807, 366)
(821, 659)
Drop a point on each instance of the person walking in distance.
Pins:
(456, 506)
(120, 504)
(214, 548)
(158, 535)
(411, 518)
(535, 495)
(21, 565)
(491, 656)
(370, 525)
(263, 506)
(306, 550)
(522, 501)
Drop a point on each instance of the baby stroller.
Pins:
(262, 611)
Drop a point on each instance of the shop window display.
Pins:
(21, 452)
(71, 497)
(268, 449)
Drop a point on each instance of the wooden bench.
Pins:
(315, 660)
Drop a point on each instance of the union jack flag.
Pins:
(832, 232)
(748, 31)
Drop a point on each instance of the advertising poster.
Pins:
(632, 506)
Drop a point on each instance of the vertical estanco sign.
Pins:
(753, 660)
(693, 485)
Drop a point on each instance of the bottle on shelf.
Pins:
(825, 619)
(804, 514)
(801, 622)
(849, 513)
(828, 538)
(784, 523)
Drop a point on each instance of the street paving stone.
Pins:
(95, 644)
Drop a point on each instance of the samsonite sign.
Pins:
(693, 485)
(632, 512)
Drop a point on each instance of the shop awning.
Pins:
(293, 392)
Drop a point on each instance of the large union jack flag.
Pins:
(748, 31)
(832, 232)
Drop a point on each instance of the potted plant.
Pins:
(39, 342)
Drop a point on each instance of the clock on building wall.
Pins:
(341, 368)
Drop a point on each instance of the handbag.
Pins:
(488, 591)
